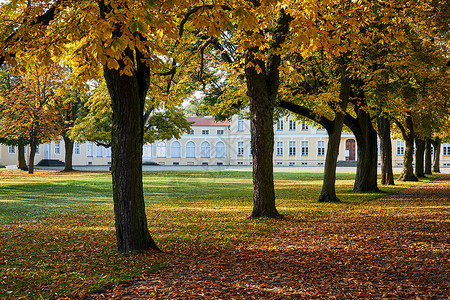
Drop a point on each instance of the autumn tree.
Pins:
(28, 110)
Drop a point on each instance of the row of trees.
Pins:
(335, 62)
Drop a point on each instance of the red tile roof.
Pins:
(206, 121)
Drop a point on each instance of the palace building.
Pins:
(211, 142)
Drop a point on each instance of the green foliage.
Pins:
(95, 118)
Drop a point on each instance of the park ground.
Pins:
(395, 247)
(57, 239)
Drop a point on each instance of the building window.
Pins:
(279, 163)
(321, 148)
(280, 124)
(446, 149)
(240, 148)
(220, 150)
(292, 148)
(250, 148)
(190, 149)
(99, 151)
(400, 147)
(205, 131)
(205, 150)
(304, 126)
(191, 131)
(240, 124)
(89, 149)
(304, 148)
(76, 148)
(219, 131)
(291, 163)
(320, 163)
(161, 149)
(108, 152)
(292, 125)
(175, 149)
(38, 148)
(304, 163)
(146, 151)
(240, 163)
(57, 148)
(12, 149)
(279, 148)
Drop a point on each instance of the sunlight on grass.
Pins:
(57, 234)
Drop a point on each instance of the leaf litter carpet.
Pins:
(396, 247)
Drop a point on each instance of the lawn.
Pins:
(57, 230)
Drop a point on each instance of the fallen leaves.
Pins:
(391, 248)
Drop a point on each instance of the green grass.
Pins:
(57, 230)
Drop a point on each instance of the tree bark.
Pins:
(407, 173)
(436, 155)
(428, 157)
(21, 158)
(328, 193)
(68, 154)
(31, 156)
(384, 133)
(366, 139)
(420, 152)
(262, 88)
(128, 96)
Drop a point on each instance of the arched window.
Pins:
(190, 149)
(161, 149)
(220, 150)
(175, 149)
(205, 150)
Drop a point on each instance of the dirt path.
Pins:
(397, 247)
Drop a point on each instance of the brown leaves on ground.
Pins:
(396, 247)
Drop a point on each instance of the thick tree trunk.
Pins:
(436, 155)
(262, 88)
(420, 152)
(261, 117)
(384, 133)
(21, 158)
(366, 138)
(31, 156)
(407, 173)
(68, 145)
(428, 157)
(128, 95)
(328, 193)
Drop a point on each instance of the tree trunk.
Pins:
(262, 90)
(428, 157)
(366, 139)
(262, 138)
(384, 133)
(328, 193)
(127, 96)
(31, 156)
(407, 173)
(68, 145)
(436, 155)
(21, 158)
(420, 152)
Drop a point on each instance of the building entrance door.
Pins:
(350, 149)
(47, 151)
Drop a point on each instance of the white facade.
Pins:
(222, 143)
